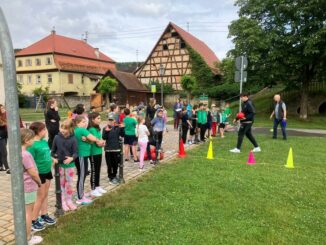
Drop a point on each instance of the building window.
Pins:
(70, 78)
(165, 47)
(38, 79)
(28, 62)
(174, 34)
(20, 79)
(182, 44)
(20, 63)
(29, 79)
(38, 62)
(49, 78)
(48, 61)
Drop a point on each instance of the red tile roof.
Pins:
(54, 43)
(69, 63)
(198, 45)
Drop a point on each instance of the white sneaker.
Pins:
(35, 240)
(96, 193)
(235, 150)
(256, 149)
(101, 190)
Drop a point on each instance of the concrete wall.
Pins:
(2, 88)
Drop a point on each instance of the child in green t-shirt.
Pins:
(84, 141)
(42, 156)
(96, 154)
(130, 139)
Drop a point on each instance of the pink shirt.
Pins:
(28, 162)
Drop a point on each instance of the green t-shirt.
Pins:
(202, 116)
(70, 165)
(84, 148)
(130, 125)
(42, 155)
(95, 150)
(227, 112)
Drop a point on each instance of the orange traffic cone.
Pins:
(251, 159)
(182, 152)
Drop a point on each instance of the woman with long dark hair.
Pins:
(3, 140)
(52, 120)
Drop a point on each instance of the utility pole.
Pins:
(15, 156)
(241, 63)
(161, 74)
(137, 57)
(187, 26)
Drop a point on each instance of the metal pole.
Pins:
(121, 179)
(58, 205)
(162, 90)
(15, 158)
(241, 80)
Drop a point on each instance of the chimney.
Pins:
(53, 30)
(97, 52)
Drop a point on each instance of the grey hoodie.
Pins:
(63, 147)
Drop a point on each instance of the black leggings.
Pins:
(184, 133)
(96, 161)
(202, 131)
(82, 166)
(112, 161)
(245, 129)
(3, 154)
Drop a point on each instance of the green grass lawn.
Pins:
(221, 201)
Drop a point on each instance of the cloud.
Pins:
(119, 28)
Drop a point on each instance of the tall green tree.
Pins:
(284, 40)
(189, 84)
(107, 86)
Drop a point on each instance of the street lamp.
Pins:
(161, 74)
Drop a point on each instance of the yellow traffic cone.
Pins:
(289, 162)
(210, 149)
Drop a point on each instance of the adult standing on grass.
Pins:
(246, 118)
(202, 121)
(3, 140)
(280, 116)
(52, 120)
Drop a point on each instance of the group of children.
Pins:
(80, 142)
(204, 122)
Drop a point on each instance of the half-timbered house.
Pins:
(171, 54)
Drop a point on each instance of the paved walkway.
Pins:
(131, 171)
(293, 132)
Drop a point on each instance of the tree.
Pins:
(189, 84)
(44, 92)
(107, 86)
(284, 40)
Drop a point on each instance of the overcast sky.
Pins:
(120, 27)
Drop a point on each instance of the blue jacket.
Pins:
(158, 124)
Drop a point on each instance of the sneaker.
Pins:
(256, 149)
(35, 240)
(8, 171)
(84, 201)
(235, 150)
(151, 161)
(114, 182)
(2, 169)
(71, 206)
(48, 220)
(135, 161)
(96, 193)
(37, 226)
(40, 220)
(101, 190)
